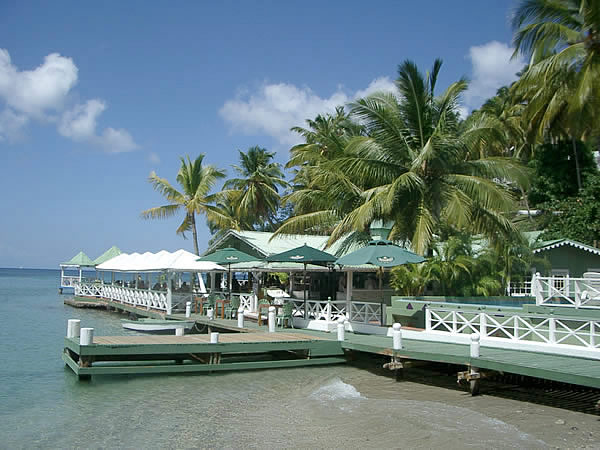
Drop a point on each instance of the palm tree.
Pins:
(257, 188)
(196, 181)
(561, 34)
(560, 86)
(413, 168)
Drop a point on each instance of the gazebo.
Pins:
(77, 262)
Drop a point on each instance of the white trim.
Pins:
(564, 242)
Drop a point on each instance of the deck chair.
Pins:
(593, 282)
(286, 314)
(232, 307)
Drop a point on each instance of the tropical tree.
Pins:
(193, 198)
(413, 168)
(560, 87)
(256, 190)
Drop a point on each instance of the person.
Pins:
(371, 283)
(342, 283)
(156, 286)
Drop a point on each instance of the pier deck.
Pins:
(293, 348)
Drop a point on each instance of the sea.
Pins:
(43, 405)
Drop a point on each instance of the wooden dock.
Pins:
(195, 353)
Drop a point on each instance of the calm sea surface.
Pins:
(43, 405)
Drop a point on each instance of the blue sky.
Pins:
(95, 95)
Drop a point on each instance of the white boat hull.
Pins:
(169, 325)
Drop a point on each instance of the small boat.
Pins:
(156, 325)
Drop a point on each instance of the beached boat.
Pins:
(156, 325)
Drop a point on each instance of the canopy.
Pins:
(81, 260)
(229, 256)
(303, 254)
(381, 254)
(108, 254)
(179, 261)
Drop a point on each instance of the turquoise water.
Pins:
(43, 404)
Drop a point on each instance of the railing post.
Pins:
(341, 330)
(482, 324)
(536, 288)
(87, 336)
(397, 336)
(427, 318)
(552, 330)
(188, 309)
(475, 345)
(516, 327)
(328, 310)
(454, 325)
(73, 328)
(240, 317)
(271, 317)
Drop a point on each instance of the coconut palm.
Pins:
(561, 86)
(257, 188)
(196, 181)
(561, 34)
(413, 168)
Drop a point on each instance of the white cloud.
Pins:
(492, 69)
(79, 124)
(34, 92)
(11, 124)
(382, 84)
(275, 108)
(42, 93)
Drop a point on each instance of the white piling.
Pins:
(214, 338)
(341, 330)
(73, 328)
(475, 345)
(240, 317)
(397, 336)
(271, 319)
(188, 309)
(179, 331)
(87, 336)
(210, 314)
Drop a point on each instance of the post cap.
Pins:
(271, 309)
(475, 337)
(397, 326)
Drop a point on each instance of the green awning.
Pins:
(381, 254)
(108, 254)
(304, 254)
(228, 256)
(81, 260)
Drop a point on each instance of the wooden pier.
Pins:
(113, 355)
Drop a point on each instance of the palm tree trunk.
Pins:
(576, 163)
(194, 233)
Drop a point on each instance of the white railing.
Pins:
(361, 312)
(365, 312)
(566, 291)
(531, 328)
(248, 302)
(68, 281)
(519, 289)
(319, 309)
(88, 289)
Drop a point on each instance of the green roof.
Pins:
(81, 260)
(108, 254)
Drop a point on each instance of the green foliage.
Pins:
(196, 182)
(555, 175)
(576, 217)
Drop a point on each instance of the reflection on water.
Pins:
(43, 405)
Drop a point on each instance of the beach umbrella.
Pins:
(305, 255)
(229, 256)
(382, 254)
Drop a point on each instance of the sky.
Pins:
(96, 95)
